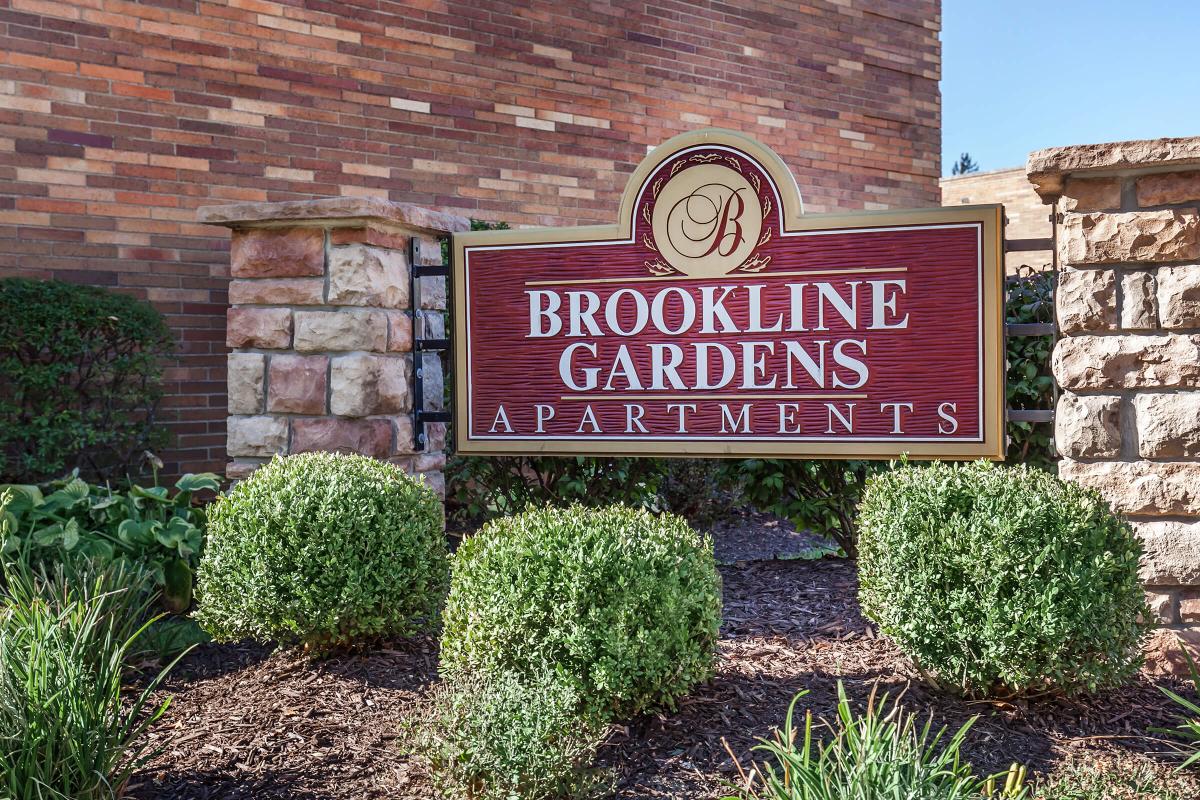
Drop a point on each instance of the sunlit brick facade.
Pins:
(119, 119)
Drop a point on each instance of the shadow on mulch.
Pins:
(219, 785)
(280, 726)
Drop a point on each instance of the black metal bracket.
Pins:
(422, 345)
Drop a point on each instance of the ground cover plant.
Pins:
(882, 752)
(324, 550)
(159, 531)
(69, 728)
(507, 735)
(1187, 730)
(1001, 581)
(623, 604)
(80, 380)
(251, 721)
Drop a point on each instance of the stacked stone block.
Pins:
(1128, 360)
(320, 329)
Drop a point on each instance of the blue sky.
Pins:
(1018, 75)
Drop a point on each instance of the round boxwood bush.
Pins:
(624, 605)
(1001, 581)
(323, 549)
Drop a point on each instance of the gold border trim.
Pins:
(795, 221)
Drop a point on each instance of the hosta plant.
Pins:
(159, 530)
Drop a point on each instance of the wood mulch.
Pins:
(249, 723)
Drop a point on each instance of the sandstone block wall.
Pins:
(118, 119)
(321, 328)
(1128, 360)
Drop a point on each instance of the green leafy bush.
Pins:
(66, 728)
(1030, 298)
(505, 736)
(1001, 581)
(881, 753)
(79, 379)
(158, 531)
(815, 494)
(622, 604)
(824, 495)
(495, 486)
(697, 489)
(322, 549)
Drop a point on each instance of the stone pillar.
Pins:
(320, 330)
(1128, 360)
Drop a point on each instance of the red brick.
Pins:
(193, 75)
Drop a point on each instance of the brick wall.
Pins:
(1025, 216)
(118, 119)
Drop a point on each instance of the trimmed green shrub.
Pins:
(1001, 581)
(79, 380)
(622, 604)
(67, 728)
(150, 527)
(824, 495)
(479, 486)
(880, 753)
(505, 736)
(322, 549)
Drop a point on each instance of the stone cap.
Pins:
(1048, 167)
(334, 210)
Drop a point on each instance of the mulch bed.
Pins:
(247, 723)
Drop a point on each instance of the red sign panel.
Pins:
(717, 319)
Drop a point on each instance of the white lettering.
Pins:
(501, 419)
(753, 367)
(896, 428)
(537, 313)
(742, 422)
(787, 416)
(847, 420)
(565, 366)
(583, 316)
(881, 302)
(658, 316)
(623, 366)
(850, 362)
(683, 408)
(544, 414)
(589, 418)
(632, 419)
(612, 312)
(663, 370)
(712, 308)
(953, 422)
(728, 365)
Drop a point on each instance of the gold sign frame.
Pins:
(990, 217)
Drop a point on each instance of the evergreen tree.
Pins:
(964, 165)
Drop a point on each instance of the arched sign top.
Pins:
(715, 149)
(715, 318)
